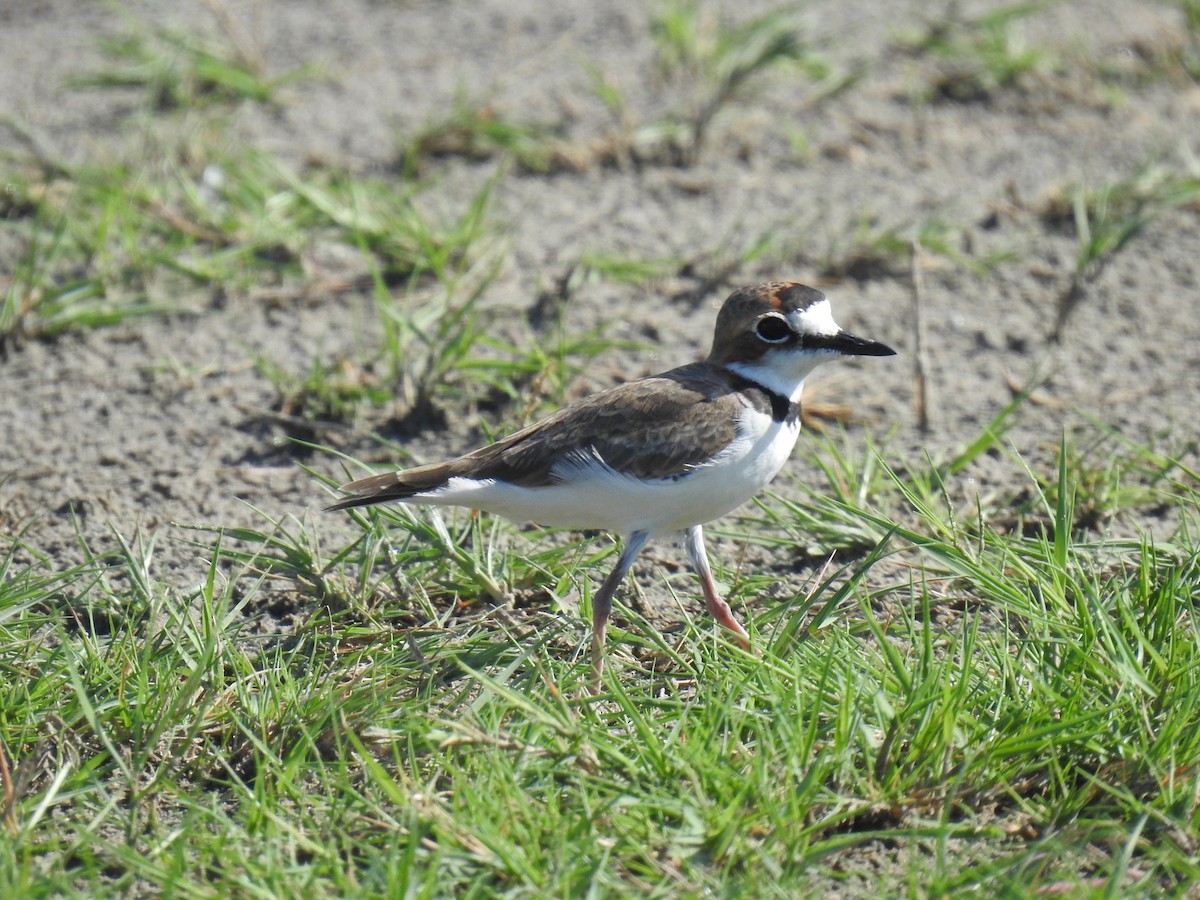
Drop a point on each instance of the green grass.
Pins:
(1189, 54)
(1172, 56)
(978, 57)
(876, 251)
(1107, 218)
(476, 131)
(704, 64)
(717, 60)
(980, 700)
(103, 243)
(88, 252)
(437, 351)
(186, 70)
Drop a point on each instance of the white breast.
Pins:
(594, 496)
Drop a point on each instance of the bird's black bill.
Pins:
(849, 345)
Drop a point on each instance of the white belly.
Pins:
(594, 496)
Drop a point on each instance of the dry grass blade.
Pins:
(920, 366)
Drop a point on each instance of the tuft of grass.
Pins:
(717, 60)
(1111, 476)
(479, 132)
(1190, 54)
(280, 211)
(1172, 54)
(331, 391)
(594, 267)
(437, 350)
(877, 251)
(824, 519)
(181, 70)
(430, 325)
(430, 351)
(704, 64)
(1106, 220)
(86, 256)
(104, 243)
(429, 337)
(980, 56)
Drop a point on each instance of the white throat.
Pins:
(782, 371)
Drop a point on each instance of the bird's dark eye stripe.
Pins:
(773, 329)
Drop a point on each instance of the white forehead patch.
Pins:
(816, 319)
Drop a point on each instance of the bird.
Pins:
(662, 454)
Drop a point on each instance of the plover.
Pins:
(658, 455)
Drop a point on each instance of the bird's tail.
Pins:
(376, 489)
(398, 485)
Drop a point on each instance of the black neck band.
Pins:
(782, 408)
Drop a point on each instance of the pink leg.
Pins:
(717, 608)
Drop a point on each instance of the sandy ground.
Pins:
(153, 425)
(165, 422)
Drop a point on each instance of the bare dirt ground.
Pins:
(164, 422)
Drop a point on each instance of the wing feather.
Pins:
(657, 427)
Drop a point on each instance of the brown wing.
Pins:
(656, 427)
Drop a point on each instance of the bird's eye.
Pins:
(773, 329)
